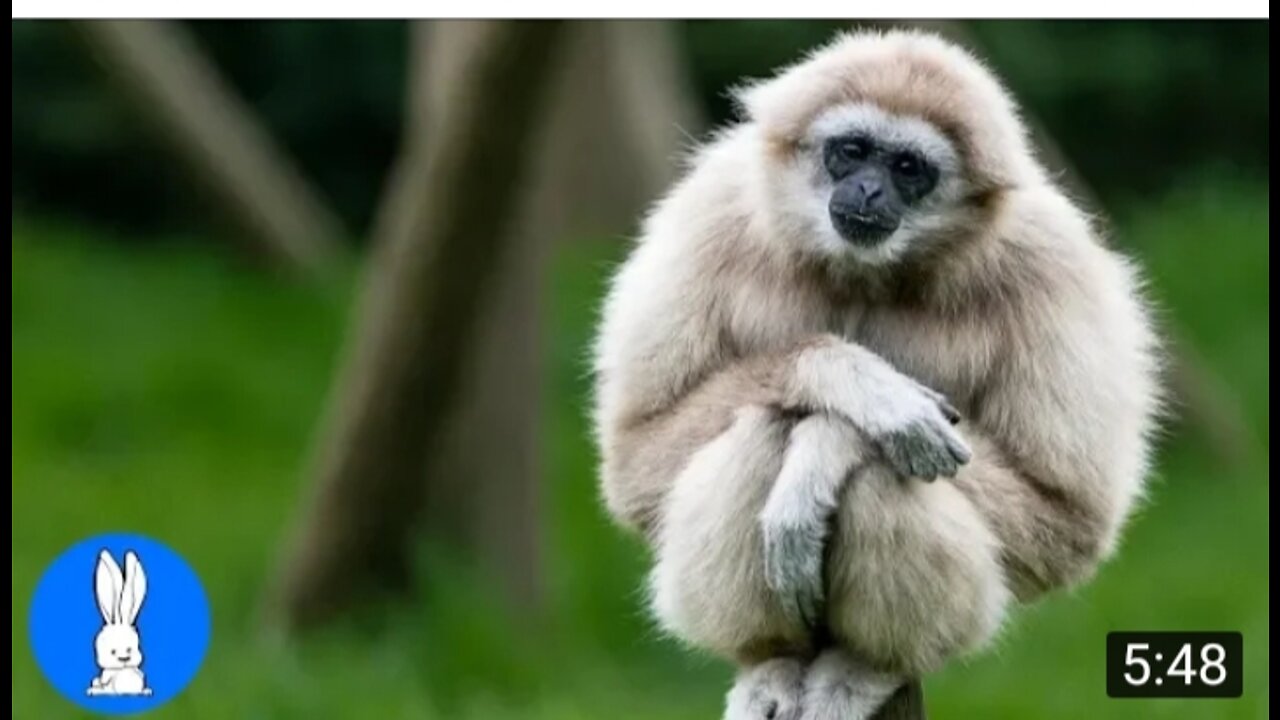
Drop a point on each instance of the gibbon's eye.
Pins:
(908, 165)
(853, 149)
(842, 155)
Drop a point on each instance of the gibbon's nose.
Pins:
(862, 209)
(871, 190)
(860, 196)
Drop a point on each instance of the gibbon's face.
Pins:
(876, 183)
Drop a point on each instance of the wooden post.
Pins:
(905, 704)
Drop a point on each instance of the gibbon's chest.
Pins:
(949, 354)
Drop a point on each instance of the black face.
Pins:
(875, 186)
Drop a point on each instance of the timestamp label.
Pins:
(1175, 664)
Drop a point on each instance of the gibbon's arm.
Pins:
(644, 452)
(1060, 442)
(697, 479)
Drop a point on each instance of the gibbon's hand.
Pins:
(793, 553)
(927, 448)
(912, 425)
(822, 451)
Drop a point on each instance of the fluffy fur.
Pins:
(756, 378)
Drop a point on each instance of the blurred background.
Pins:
(310, 302)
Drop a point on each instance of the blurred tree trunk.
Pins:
(168, 83)
(441, 244)
(621, 111)
(604, 151)
(618, 114)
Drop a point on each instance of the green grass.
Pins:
(166, 391)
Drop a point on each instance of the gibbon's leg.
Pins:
(913, 572)
(758, 499)
(708, 585)
(741, 541)
(822, 452)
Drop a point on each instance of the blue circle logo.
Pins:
(119, 624)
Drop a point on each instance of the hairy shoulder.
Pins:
(1079, 328)
(666, 306)
(1043, 259)
(711, 204)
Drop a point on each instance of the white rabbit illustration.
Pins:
(117, 646)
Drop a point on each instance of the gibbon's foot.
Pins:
(768, 691)
(839, 686)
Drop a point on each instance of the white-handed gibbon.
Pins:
(868, 378)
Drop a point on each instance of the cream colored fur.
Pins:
(751, 371)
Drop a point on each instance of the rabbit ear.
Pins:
(107, 582)
(135, 588)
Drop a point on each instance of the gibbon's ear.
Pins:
(134, 590)
(107, 582)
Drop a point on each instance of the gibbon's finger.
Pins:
(892, 446)
(949, 466)
(911, 446)
(958, 447)
(950, 412)
(940, 461)
(793, 569)
(910, 449)
(803, 604)
(928, 449)
(942, 464)
(954, 449)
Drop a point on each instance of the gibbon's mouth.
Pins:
(863, 230)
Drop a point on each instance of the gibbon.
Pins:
(867, 379)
